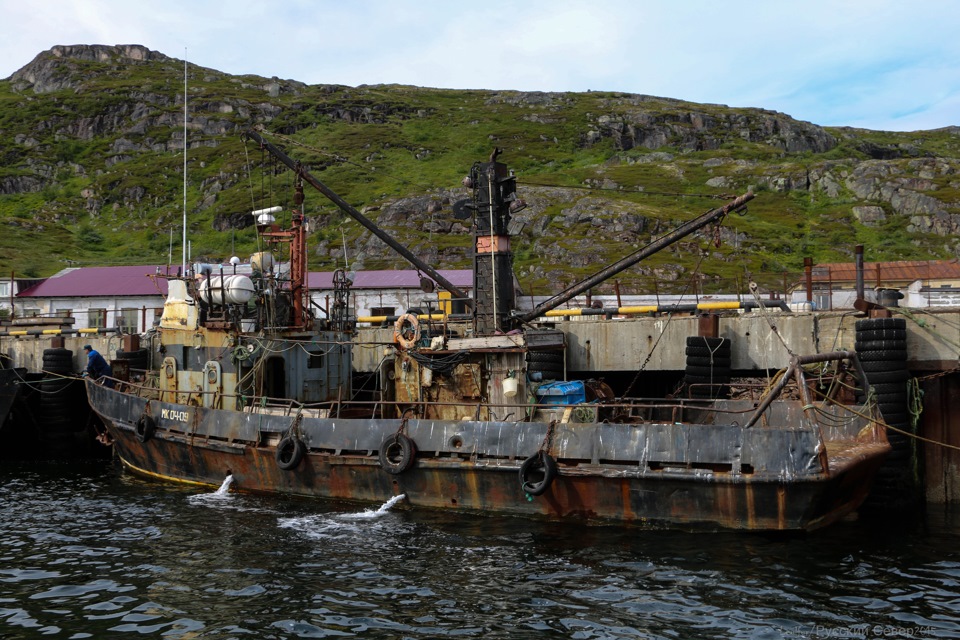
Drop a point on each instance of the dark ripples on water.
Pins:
(90, 552)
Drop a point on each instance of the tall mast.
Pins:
(184, 265)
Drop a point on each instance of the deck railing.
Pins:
(747, 411)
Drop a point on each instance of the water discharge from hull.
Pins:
(369, 513)
(225, 487)
(221, 495)
(389, 503)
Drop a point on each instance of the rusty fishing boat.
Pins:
(472, 411)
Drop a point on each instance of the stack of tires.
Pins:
(882, 348)
(707, 373)
(57, 412)
(545, 365)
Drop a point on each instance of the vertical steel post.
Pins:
(858, 258)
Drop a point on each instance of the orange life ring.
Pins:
(406, 331)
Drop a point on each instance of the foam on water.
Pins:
(341, 525)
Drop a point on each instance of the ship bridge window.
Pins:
(314, 359)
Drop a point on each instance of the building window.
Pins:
(97, 318)
(4, 289)
(127, 320)
(382, 311)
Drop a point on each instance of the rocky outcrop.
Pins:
(20, 184)
(228, 221)
(902, 187)
(695, 130)
(52, 70)
(870, 216)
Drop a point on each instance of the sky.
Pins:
(887, 65)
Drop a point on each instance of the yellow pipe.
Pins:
(559, 313)
(382, 319)
(649, 308)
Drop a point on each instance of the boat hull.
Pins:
(720, 476)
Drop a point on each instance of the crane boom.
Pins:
(359, 217)
(630, 260)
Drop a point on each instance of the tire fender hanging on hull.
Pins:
(145, 428)
(537, 473)
(290, 452)
(397, 453)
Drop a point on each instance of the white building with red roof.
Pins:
(99, 297)
(132, 297)
(920, 283)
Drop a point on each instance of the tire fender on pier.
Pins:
(290, 452)
(397, 453)
(537, 473)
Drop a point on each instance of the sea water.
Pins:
(88, 551)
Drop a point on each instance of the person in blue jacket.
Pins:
(97, 366)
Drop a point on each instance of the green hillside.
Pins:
(91, 142)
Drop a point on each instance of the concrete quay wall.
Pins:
(758, 340)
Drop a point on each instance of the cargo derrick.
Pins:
(344, 206)
(492, 360)
(714, 216)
